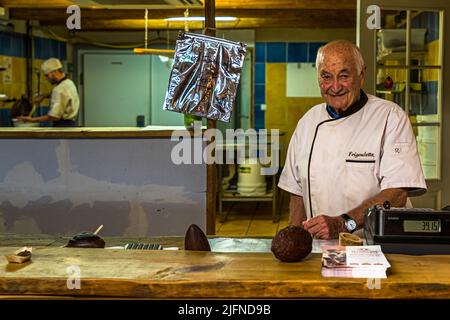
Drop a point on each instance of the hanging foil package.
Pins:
(205, 76)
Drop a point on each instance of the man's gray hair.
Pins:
(341, 45)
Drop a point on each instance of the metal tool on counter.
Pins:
(142, 246)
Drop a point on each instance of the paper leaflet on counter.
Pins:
(354, 262)
(205, 76)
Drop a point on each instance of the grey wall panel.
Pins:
(130, 186)
(43, 157)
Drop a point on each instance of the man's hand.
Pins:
(25, 118)
(324, 227)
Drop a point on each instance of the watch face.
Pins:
(350, 225)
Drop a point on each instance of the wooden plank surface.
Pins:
(187, 274)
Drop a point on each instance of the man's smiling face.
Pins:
(340, 80)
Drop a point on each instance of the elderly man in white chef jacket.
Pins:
(64, 100)
(349, 153)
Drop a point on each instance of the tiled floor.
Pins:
(250, 219)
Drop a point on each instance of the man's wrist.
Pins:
(350, 224)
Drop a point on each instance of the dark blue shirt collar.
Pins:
(356, 106)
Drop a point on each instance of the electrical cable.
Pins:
(55, 36)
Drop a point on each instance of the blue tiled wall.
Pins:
(5, 117)
(277, 52)
(312, 51)
(14, 45)
(47, 48)
(429, 21)
(428, 104)
(297, 52)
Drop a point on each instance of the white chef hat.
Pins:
(50, 65)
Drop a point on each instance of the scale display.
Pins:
(433, 226)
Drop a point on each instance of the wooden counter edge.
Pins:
(87, 133)
(221, 289)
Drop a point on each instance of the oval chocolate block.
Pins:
(292, 244)
(195, 239)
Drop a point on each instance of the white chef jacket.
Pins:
(336, 164)
(64, 101)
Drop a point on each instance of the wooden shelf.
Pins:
(399, 55)
(400, 92)
(231, 197)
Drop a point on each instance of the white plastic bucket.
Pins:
(226, 179)
(250, 180)
(20, 124)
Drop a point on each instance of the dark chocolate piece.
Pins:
(292, 244)
(195, 239)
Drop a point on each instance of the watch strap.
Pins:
(346, 217)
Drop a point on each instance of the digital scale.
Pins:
(409, 231)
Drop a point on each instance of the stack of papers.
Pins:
(354, 262)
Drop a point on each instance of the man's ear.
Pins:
(363, 75)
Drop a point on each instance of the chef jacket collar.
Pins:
(65, 77)
(355, 107)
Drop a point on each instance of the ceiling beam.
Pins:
(220, 4)
(60, 15)
(273, 14)
(36, 3)
(310, 21)
(287, 4)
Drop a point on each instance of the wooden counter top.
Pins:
(188, 274)
(89, 132)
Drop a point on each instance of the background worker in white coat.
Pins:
(349, 153)
(64, 100)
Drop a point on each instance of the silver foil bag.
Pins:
(205, 76)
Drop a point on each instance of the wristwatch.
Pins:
(350, 224)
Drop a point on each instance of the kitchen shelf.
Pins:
(235, 196)
(400, 92)
(399, 55)
(270, 196)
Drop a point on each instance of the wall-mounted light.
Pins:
(199, 19)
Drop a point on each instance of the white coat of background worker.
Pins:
(349, 153)
(64, 100)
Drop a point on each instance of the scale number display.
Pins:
(422, 226)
